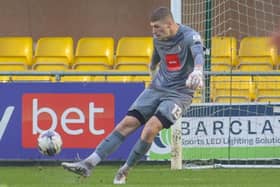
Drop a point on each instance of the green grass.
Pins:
(140, 176)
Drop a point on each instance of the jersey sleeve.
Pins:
(196, 48)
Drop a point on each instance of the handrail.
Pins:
(126, 73)
(73, 73)
(59, 74)
(240, 73)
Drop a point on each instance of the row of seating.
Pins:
(91, 54)
(240, 89)
(132, 54)
(254, 54)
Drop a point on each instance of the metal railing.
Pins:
(59, 74)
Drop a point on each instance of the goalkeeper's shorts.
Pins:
(168, 107)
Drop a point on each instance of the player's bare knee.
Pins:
(148, 134)
(127, 125)
(150, 130)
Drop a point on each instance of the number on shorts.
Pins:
(177, 111)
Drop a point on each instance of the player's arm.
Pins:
(195, 79)
(154, 63)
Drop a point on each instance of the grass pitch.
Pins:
(140, 176)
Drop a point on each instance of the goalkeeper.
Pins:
(178, 56)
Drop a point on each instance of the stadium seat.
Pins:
(223, 53)
(278, 66)
(94, 54)
(119, 78)
(15, 54)
(134, 53)
(76, 78)
(53, 54)
(99, 78)
(197, 97)
(267, 88)
(256, 54)
(235, 89)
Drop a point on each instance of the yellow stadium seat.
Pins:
(134, 53)
(53, 54)
(112, 78)
(267, 88)
(257, 54)
(94, 54)
(235, 89)
(16, 52)
(76, 78)
(278, 66)
(15, 55)
(100, 78)
(142, 78)
(33, 78)
(4, 79)
(223, 53)
(198, 96)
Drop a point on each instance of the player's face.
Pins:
(160, 29)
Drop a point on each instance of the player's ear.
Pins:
(167, 22)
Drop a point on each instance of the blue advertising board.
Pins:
(83, 114)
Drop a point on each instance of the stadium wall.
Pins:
(114, 18)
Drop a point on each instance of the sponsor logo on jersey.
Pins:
(172, 62)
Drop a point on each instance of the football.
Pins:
(49, 143)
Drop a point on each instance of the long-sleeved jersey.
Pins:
(176, 57)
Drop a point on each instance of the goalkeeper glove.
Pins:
(195, 79)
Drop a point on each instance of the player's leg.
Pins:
(151, 129)
(168, 112)
(129, 124)
(105, 148)
(147, 105)
(137, 115)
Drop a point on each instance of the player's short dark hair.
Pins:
(161, 13)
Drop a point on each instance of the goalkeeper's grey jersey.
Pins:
(176, 60)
